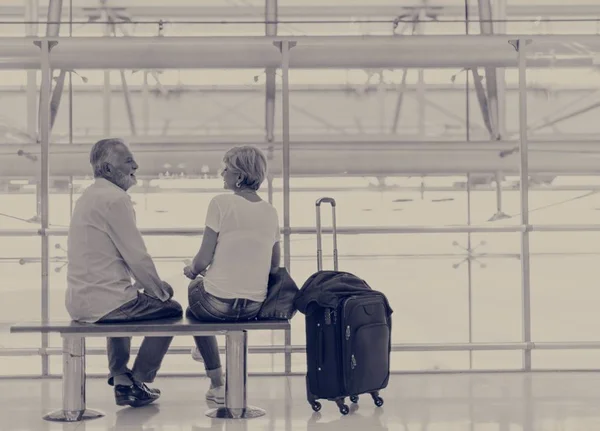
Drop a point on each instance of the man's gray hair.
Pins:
(248, 161)
(101, 153)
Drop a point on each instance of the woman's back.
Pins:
(242, 260)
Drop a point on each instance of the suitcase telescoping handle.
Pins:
(319, 233)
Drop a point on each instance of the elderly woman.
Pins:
(240, 247)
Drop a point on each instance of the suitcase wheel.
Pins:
(377, 399)
(316, 406)
(354, 398)
(344, 409)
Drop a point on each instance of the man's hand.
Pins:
(167, 287)
(189, 272)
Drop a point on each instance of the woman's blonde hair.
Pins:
(250, 163)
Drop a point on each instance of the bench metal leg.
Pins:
(73, 384)
(235, 382)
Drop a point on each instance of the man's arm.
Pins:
(122, 230)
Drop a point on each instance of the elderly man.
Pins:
(105, 250)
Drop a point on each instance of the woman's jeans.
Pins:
(208, 308)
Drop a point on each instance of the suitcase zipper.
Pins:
(352, 358)
(347, 348)
(340, 347)
(346, 334)
(319, 347)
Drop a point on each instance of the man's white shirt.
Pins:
(105, 250)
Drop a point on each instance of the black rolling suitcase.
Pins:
(348, 332)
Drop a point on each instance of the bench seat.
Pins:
(183, 326)
(74, 334)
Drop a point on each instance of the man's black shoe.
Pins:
(134, 395)
(149, 389)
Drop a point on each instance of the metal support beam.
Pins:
(399, 101)
(315, 52)
(365, 156)
(57, 96)
(340, 87)
(128, 106)
(271, 18)
(31, 29)
(55, 11)
(521, 46)
(145, 104)
(45, 91)
(285, 47)
(421, 86)
(318, 118)
(499, 215)
(421, 103)
(578, 99)
(53, 30)
(402, 90)
(107, 94)
(381, 101)
(499, 13)
(106, 103)
(270, 89)
(205, 11)
(482, 99)
(567, 116)
(485, 14)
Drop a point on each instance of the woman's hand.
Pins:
(189, 272)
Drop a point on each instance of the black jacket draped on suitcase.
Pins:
(328, 288)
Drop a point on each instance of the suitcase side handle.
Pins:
(319, 233)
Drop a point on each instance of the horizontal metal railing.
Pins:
(403, 347)
(344, 230)
(485, 371)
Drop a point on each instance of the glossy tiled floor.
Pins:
(481, 402)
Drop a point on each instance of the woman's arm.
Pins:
(207, 251)
(275, 258)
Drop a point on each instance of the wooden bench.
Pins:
(74, 335)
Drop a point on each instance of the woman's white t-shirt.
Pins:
(242, 260)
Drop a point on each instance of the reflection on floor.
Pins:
(474, 402)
